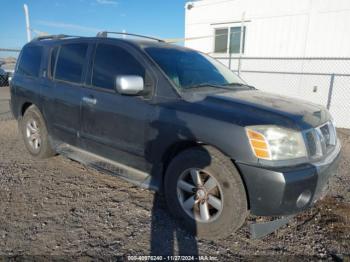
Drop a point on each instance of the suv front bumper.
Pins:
(288, 190)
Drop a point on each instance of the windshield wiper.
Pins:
(240, 84)
(221, 86)
(205, 85)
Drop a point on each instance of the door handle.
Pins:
(90, 100)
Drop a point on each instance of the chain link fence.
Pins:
(321, 80)
(8, 58)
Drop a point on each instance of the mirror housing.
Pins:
(129, 84)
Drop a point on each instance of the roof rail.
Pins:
(47, 37)
(105, 34)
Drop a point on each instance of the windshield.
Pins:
(189, 69)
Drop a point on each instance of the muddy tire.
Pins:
(35, 134)
(204, 190)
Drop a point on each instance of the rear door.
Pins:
(63, 95)
(115, 125)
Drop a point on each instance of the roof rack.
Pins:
(105, 34)
(47, 37)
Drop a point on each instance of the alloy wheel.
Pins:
(200, 195)
(33, 135)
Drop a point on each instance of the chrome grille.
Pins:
(311, 143)
(321, 140)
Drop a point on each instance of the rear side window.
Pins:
(111, 61)
(30, 61)
(70, 62)
(53, 58)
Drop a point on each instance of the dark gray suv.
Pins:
(175, 120)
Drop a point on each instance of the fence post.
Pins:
(239, 65)
(330, 91)
(229, 61)
(241, 43)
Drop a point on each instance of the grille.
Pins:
(311, 143)
(321, 140)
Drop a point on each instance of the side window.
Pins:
(235, 40)
(228, 40)
(53, 58)
(70, 62)
(30, 61)
(221, 38)
(111, 61)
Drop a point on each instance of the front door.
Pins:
(114, 125)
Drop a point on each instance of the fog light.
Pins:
(304, 199)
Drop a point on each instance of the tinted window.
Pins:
(53, 58)
(111, 61)
(190, 69)
(70, 62)
(30, 61)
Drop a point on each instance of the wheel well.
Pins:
(175, 150)
(244, 182)
(25, 107)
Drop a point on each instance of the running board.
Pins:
(260, 230)
(107, 166)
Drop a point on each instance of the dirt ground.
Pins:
(59, 209)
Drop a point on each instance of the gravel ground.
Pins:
(61, 209)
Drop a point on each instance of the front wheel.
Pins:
(205, 191)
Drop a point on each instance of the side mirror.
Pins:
(129, 84)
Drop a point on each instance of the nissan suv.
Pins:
(175, 120)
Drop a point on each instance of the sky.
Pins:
(160, 18)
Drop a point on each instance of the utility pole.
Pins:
(26, 13)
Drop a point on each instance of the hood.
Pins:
(257, 107)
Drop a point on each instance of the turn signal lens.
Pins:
(258, 144)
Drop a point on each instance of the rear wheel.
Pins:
(205, 191)
(35, 133)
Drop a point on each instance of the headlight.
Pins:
(276, 143)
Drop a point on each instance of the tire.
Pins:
(210, 163)
(33, 128)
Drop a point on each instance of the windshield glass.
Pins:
(189, 69)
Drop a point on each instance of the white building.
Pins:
(294, 28)
(280, 28)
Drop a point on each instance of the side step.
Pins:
(107, 166)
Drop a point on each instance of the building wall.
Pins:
(284, 28)
(274, 27)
